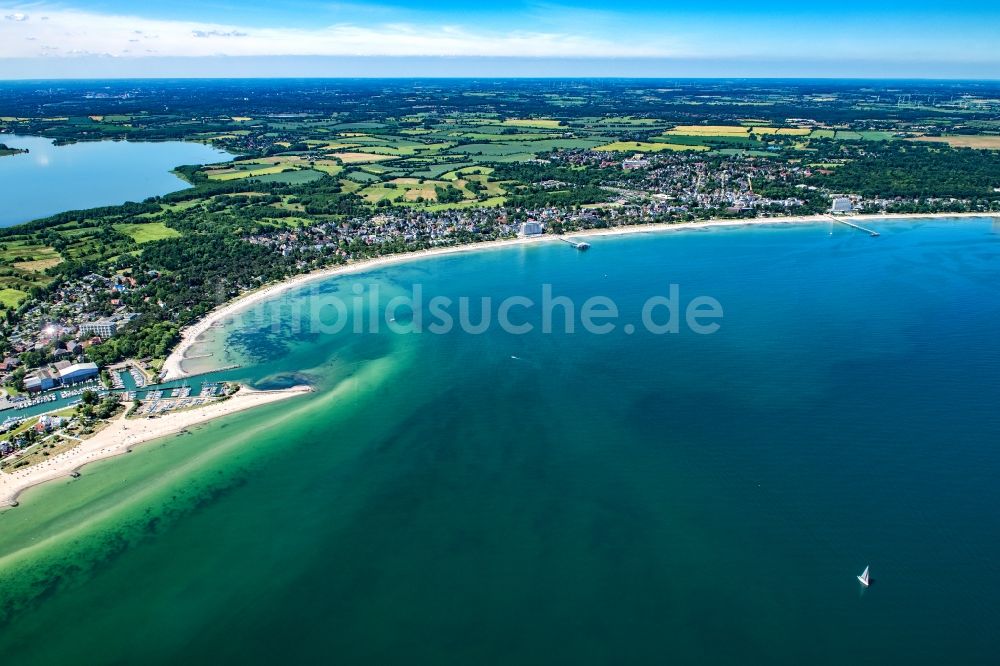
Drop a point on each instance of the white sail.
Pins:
(864, 577)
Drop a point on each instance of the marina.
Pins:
(56, 399)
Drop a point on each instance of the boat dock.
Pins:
(580, 245)
(854, 226)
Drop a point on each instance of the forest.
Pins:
(909, 170)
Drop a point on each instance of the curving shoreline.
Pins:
(124, 433)
(173, 365)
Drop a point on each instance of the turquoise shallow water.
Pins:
(49, 179)
(597, 499)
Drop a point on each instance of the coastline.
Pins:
(172, 367)
(123, 433)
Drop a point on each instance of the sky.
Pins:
(181, 38)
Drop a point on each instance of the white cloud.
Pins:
(203, 34)
(18, 17)
(77, 31)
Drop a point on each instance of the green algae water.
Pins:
(566, 498)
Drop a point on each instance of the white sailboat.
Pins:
(864, 577)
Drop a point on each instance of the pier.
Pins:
(870, 232)
(580, 245)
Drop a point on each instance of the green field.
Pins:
(360, 158)
(508, 147)
(709, 130)
(462, 173)
(236, 174)
(470, 203)
(148, 232)
(848, 135)
(645, 147)
(782, 131)
(749, 153)
(328, 167)
(293, 177)
(11, 298)
(544, 123)
(408, 190)
(362, 177)
(625, 121)
(25, 251)
(722, 140)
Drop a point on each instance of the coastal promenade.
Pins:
(123, 433)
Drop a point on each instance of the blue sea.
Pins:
(564, 498)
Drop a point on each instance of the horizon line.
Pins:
(489, 67)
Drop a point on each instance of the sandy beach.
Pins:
(172, 367)
(124, 433)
